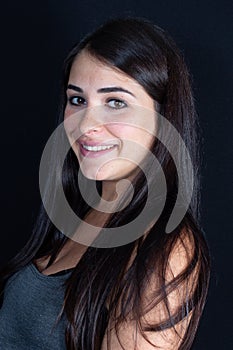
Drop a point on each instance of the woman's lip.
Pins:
(94, 154)
(95, 143)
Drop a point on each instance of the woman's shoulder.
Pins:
(165, 310)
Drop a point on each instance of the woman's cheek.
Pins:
(71, 123)
(121, 130)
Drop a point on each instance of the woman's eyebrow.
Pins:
(102, 90)
(115, 89)
(75, 88)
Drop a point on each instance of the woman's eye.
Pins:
(116, 104)
(77, 101)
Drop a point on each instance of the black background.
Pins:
(35, 38)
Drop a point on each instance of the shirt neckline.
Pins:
(58, 276)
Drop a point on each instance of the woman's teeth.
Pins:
(97, 148)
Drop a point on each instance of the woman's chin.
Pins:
(97, 176)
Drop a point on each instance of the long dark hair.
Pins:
(111, 276)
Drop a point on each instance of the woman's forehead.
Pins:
(85, 64)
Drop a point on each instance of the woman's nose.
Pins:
(90, 121)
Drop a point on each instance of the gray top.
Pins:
(32, 302)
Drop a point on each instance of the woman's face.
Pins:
(112, 122)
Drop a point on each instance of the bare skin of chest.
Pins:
(72, 251)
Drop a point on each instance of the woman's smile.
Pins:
(94, 149)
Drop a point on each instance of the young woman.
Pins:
(138, 288)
